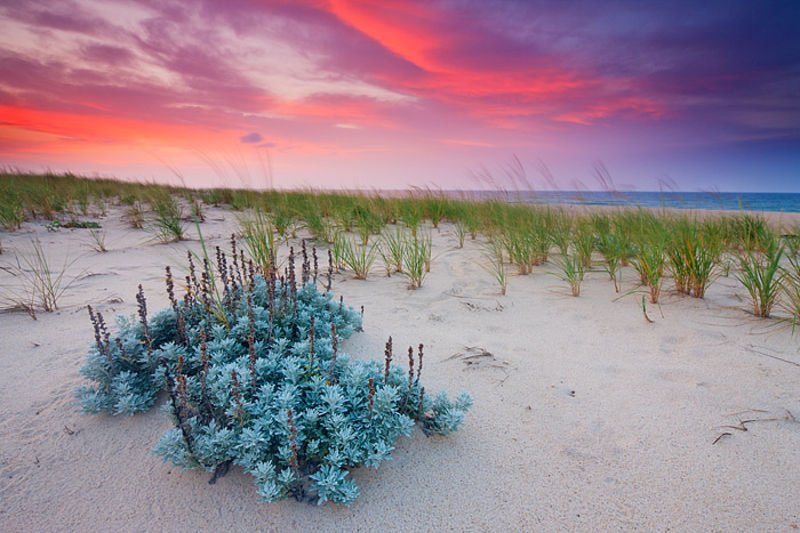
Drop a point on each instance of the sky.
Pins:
(678, 95)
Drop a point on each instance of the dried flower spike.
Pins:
(410, 367)
(387, 353)
(419, 363)
(236, 392)
(143, 317)
(316, 263)
(330, 271)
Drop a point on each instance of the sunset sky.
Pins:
(386, 94)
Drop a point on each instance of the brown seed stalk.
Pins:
(97, 337)
(291, 278)
(330, 271)
(143, 317)
(388, 358)
(222, 265)
(236, 392)
(181, 388)
(176, 410)
(187, 298)
(306, 272)
(410, 368)
(419, 364)
(193, 286)
(316, 263)
(171, 289)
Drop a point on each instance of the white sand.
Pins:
(589, 418)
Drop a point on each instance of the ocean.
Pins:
(728, 201)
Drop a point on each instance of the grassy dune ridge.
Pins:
(684, 250)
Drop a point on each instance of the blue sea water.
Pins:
(728, 201)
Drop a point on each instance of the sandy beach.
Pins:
(586, 417)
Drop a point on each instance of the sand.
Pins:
(586, 417)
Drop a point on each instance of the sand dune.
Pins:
(586, 417)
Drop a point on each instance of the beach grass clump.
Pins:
(518, 242)
(322, 228)
(750, 233)
(469, 215)
(40, 283)
(693, 253)
(284, 219)
(368, 222)
(215, 197)
(761, 274)
(259, 236)
(416, 258)
(409, 213)
(357, 257)
(434, 206)
(613, 249)
(792, 241)
(526, 234)
(460, 231)
(583, 242)
(269, 390)
(167, 223)
(649, 260)
(790, 288)
(392, 249)
(12, 214)
(494, 251)
(196, 208)
(563, 230)
(571, 270)
(134, 214)
(97, 240)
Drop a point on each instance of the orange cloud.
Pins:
(59, 132)
(105, 140)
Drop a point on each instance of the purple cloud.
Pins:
(251, 138)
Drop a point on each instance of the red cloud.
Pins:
(496, 86)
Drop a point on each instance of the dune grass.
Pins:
(416, 258)
(493, 251)
(39, 281)
(392, 249)
(571, 270)
(790, 288)
(358, 257)
(258, 234)
(97, 240)
(167, 223)
(762, 276)
(358, 227)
